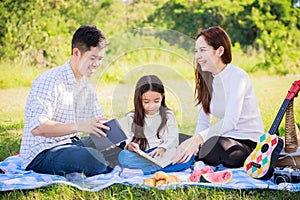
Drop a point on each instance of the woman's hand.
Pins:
(132, 146)
(92, 126)
(157, 153)
(187, 149)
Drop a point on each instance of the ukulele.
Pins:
(261, 162)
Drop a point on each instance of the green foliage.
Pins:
(39, 31)
(269, 25)
(276, 22)
(138, 48)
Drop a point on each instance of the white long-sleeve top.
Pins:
(235, 104)
(168, 134)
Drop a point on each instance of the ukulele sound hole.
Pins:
(254, 164)
(264, 148)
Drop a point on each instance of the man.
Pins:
(61, 105)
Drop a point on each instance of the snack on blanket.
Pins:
(197, 173)
(150, 181)
(217, 177)
(172, 178)
(160, 182)
(160, 178)
(160, 175)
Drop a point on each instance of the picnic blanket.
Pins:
(16, 178)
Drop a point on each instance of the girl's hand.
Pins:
(132, 146)
(187, 149)
(157, 153)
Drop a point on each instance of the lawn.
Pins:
(270, 91)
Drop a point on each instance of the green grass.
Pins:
(9, 143)
(118, 191)
(17, 73)
(270, 91)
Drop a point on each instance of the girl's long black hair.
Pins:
(145, 84)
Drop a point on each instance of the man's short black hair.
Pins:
(86, 37)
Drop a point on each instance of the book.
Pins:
(163, 161)
(115, 135)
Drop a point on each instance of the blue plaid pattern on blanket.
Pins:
(16, 178)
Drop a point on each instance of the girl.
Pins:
(152, 128)
(224, 91)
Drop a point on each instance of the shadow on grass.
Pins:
(10, 140)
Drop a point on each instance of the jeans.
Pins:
(79, 156)
(129, 159)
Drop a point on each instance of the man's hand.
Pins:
(92, 126)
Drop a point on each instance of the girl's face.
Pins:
(206, 56)
(151, 102)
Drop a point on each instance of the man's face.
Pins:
(90, 60)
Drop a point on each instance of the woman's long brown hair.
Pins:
(145, 84)
(203, 89)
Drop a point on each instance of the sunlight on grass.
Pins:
(12, 106)
(18, 73)
(271, 92)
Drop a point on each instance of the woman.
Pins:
(225, 92)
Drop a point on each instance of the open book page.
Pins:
(163, 161)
